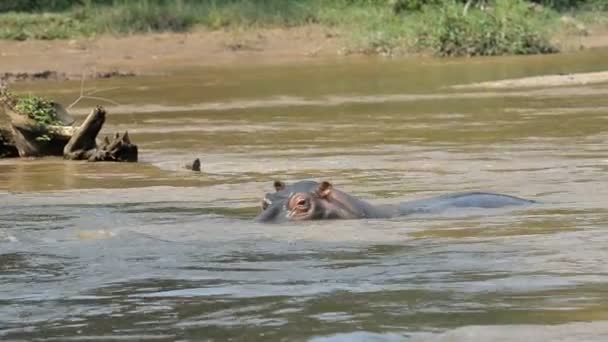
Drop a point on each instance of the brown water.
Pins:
(150, 251)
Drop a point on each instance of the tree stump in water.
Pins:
(55, 135)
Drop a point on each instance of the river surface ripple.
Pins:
(150, 251)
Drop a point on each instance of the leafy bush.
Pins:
(37, 108)
(509, 27)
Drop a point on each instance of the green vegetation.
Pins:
(37, 108)
(20, 26)
(509, 27)
(137, 16)
(444, 27)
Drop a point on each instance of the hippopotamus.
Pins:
(311, 200)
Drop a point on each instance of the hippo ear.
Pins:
(324, 189)
(278, 185)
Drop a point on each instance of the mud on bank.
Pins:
(109, 56)
(161, 53)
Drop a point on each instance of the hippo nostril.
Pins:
(302, 202)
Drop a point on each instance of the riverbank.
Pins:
(441, 28)
(143, 54)
(160, 53)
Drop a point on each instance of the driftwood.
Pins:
(7, 145)
(82, 143)
(26, 132)
(71, 142)
(119, 149)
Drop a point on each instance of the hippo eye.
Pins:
(299, 203)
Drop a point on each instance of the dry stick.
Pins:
(81, 90)
(102, 90)
(101, 99)
(88, 96)
(83, 96)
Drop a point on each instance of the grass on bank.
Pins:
(141, 16)
(441, 27)
(47, 26)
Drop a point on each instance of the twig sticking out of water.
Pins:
(89, 95)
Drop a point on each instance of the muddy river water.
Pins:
(151, 251)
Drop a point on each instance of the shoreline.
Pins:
(162, 53)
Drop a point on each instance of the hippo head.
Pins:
(283, 191)
(309, 200)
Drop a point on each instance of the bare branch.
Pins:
(82, 77)
(101, 99)
(102, 90)
(84, 95)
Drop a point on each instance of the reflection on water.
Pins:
(151, 251)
